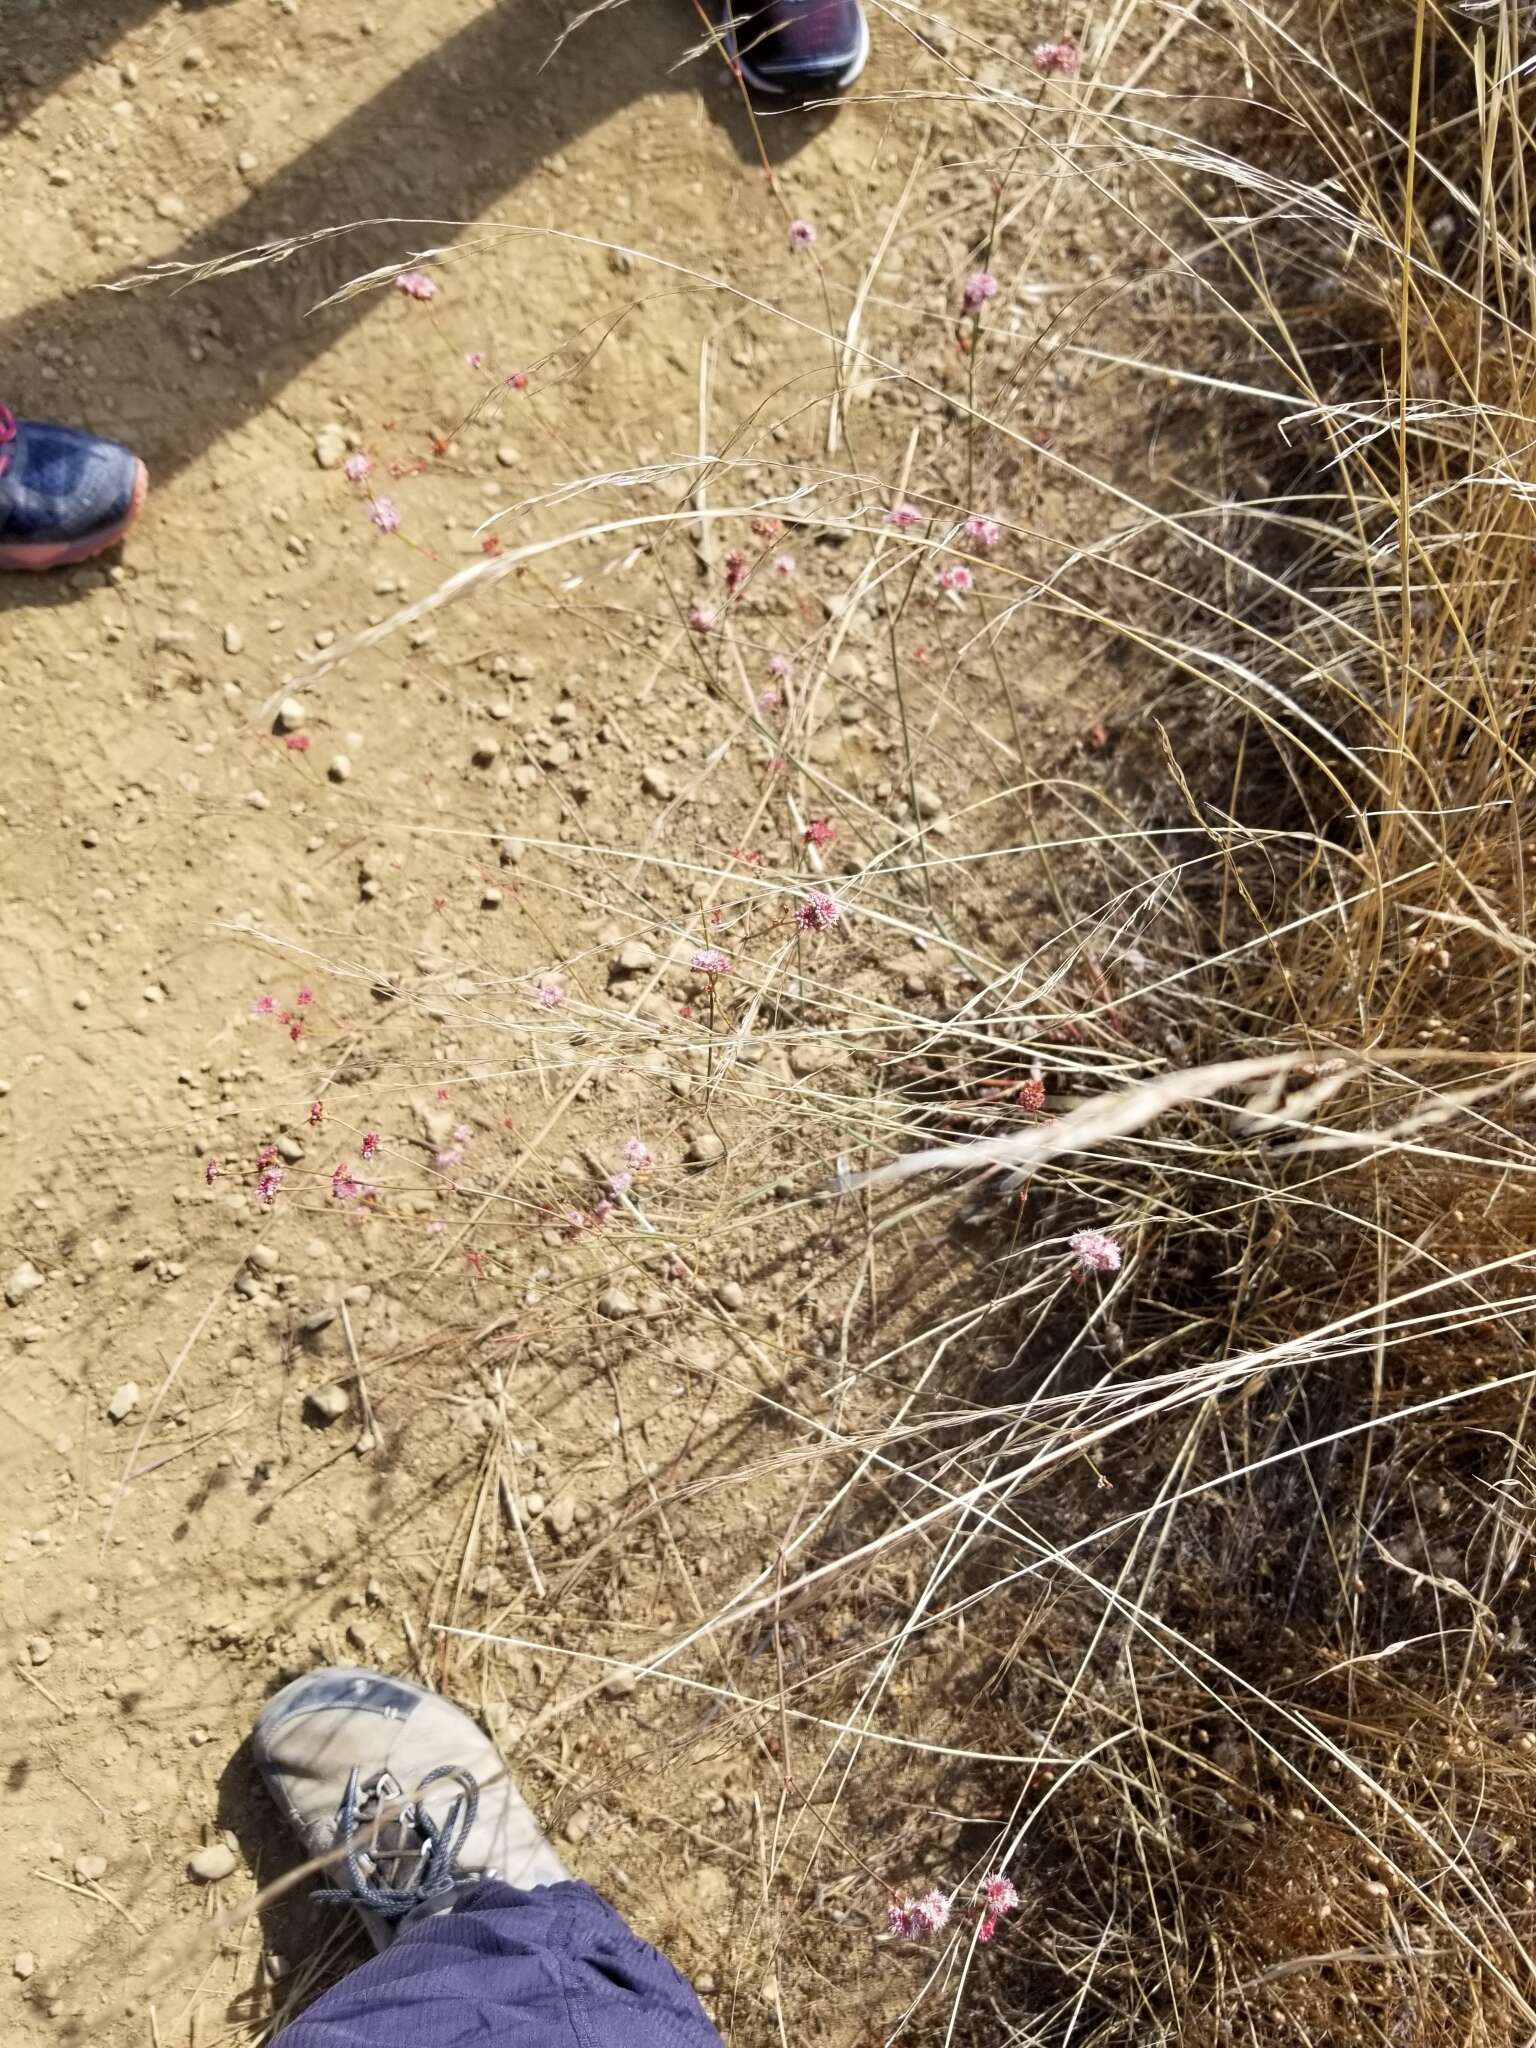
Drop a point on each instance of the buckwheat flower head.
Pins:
(980, 286)
(1095, 1251)
(1059, 58)
(620, 1183)
(357, 466)
(550, 995)
(345, 1187)
(819, 832)
(982, 533)
(711, 961)
(781, 666)
(904, 1921)
(211, 1172)
(268, 1183)
(702, 618)
(737, 570)
(802, 234)
(264, 1006)
(783, 565)
(1032, 1094)
(475, 358)
(453, 1156)
(416, 285)
(818, 912)
(987, 1927)
(956, 579)
(933, 1910)
(902, 516)
(370, 1144)
(1000, 1893)
(638, 1154)
(385, 515)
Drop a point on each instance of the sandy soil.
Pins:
(213, 939)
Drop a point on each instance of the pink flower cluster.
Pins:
(802, 234)
(416, 285)
(711, 961)
(980, 286)
(1058, 58)
(913, 1919)
(1095, 1251)
(818, 913)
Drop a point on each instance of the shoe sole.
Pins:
(809, 85)
(37, 555)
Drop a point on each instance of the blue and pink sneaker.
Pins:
(796, 46)
(65, 495)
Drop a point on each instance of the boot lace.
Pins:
(420, 1871)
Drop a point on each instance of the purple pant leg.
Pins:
(551, 1968)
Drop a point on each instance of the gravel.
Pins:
(705, 1149)
(331, 446)
(25, 1280)
(614, 1303)
(211, 1865)
(327, 1404)
(123, 1402)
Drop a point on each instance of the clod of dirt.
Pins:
(25, 1280)
(23, 1964)
(705, 1149)
(123, 1402)
(614, 1303)
(620, 1684)
(655, 781)
(327, 1404)
(486, 751)
(39, 1650)
(331, 446)
(729, 1294)
(340, 768)
(290, 715)
(490, 899)
(929, 802)
(633, 957)
(90, 1869)
(234, 639)
(560, 1515)
(211, 1865)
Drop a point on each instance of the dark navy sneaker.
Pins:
(796, 46)
(64, 495)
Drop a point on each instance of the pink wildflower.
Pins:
(638, 1154)
(415, 285)
(982, 533)
(769, 701)
(932, 1911)
(987, 1928)
(268, 1182)
(1060, 58)
(903, 516)
(818, 912)
(316, 1114)
(979, 287)
(819, 832)
(370, 1144)
(1032, 1094)
(904, 1920)
(702, 618)
(463, 1133)
(266, 1156)
(602, 1209)
(550, 995)
(1000, 1893)
(211, 1172)
(298, 743)
(781, 666)
(802, 234)
(264, 1006)
(736, 571)
(345, 1187)
(711, 961)
(452, 1157)
(304, 998)
(1095, 1250)
(475, 358)
(620, 1183)
(767, 526)
(357, 466)
(385, 515)
(784, 565)
(956, 578)
(518, 381)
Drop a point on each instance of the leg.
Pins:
(552, 1968)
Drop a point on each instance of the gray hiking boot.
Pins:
(400, 1791)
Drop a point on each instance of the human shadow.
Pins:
(170, 369)
(45, 50)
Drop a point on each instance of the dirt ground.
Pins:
(226, 954)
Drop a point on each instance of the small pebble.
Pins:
(614, 1303)
(490, 899)
(90, 1869)
(705, 1149)
(328, 1404)
(169, 207)
(486, 751)
(39, 1650)
(340, 768)
(634, 957)
(23, 1964)
(123, 1402)
(234, 639)
(655, 781)
(331, 446)
(290, 715)
(621, 1683)
(729, 1295)
(81, 999)
(247, 161)
(929, 802)
(506, 455)
(212, 1864)
(25, 1280)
